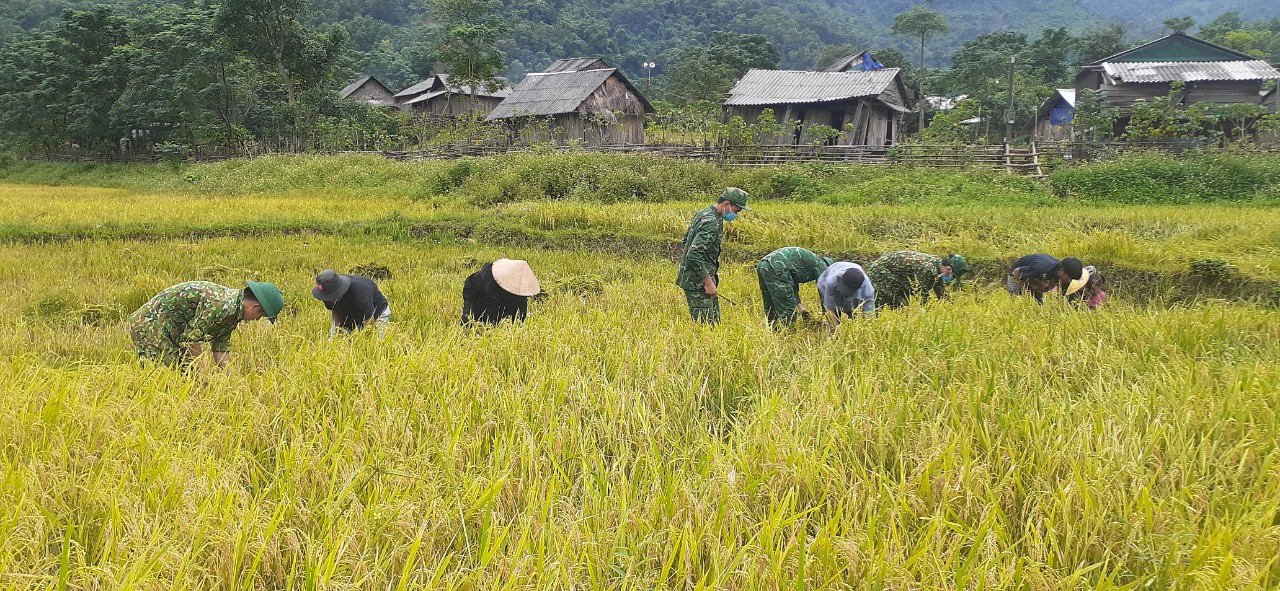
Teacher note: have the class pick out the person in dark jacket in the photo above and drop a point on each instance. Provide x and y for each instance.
(355, 301)
(1039, 273)
(499, 290)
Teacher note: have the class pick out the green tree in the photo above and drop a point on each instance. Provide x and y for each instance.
(1217, 29)
(1050, 56)
(465, 40)
(267, 29)
(828, 55)
(743, 52)
(1099, 43)
(919, 22)
(707, 73)
(1179, 24)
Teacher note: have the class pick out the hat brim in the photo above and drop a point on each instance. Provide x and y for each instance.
(516, 277)
(1078, 284)
(269, 297)
(333, 295)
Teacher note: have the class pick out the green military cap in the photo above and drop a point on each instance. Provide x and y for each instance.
(268, 296)
(736, 196)
(958, 265)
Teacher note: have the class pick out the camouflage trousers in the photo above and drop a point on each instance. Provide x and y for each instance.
(702, 307)
(151, 344)
(780, 297)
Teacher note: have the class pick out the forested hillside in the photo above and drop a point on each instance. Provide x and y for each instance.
(246, 76)
(630, 32)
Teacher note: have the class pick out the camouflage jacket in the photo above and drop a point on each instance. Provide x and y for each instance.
(701, 257)
(899, 275)
(192, 312)
(796, 264)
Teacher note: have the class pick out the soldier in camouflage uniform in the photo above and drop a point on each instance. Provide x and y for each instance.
(172, 326)
(900, 275)
(700, 265)
(781, 272)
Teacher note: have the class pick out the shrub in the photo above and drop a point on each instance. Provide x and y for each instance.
(1155, 178)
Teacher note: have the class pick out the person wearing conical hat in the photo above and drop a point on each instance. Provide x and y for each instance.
(1038, 274)
(1089, 289)
(354, 301)
(173, 326)
(498, 291)
(699, 274)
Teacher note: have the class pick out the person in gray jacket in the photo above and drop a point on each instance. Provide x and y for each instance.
(845, 290)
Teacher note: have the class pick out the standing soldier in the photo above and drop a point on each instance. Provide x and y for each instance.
(899, 275)
(781, 272)
(700, 264)
(173, 326)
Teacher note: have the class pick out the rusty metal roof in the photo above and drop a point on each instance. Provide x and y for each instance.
(781, 87)
(543, 93)
(1140, 72)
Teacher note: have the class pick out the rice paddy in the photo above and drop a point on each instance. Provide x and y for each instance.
(981, 442)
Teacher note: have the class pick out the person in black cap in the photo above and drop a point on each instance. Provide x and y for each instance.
(355, 301)
(845, 290)
(1040, 273)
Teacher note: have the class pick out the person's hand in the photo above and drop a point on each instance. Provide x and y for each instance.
(709, 287)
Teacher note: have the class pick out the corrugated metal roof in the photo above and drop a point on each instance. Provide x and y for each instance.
(781, 87)
(541, 94)
(1139, 72)
(440, 81)
(1069, 95)
(844, 63)
(418, 88)
(1176, 47)
(576, 64)
(464, 93)
(426, 97)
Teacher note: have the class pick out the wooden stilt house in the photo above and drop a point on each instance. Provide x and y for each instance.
(368, 90)
(578, 99)
(865, 107)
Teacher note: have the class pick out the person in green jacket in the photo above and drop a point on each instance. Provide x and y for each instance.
(780, 273)
(173, 326)
(700, 263)
(899, 276)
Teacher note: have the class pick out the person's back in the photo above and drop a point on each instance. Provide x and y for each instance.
(362, 302)
(190, 311)
(499, 290)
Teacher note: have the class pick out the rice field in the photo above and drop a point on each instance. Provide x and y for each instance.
(980, 442)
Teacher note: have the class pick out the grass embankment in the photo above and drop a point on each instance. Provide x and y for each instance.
(639, 206)
(610, 443)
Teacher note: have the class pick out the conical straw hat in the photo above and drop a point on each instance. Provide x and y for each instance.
(1078, 284)
(515, 277)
